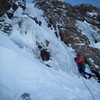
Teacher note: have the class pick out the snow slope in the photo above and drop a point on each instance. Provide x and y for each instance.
(22, 70)
(19, 74)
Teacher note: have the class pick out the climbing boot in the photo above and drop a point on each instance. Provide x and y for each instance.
(85, 77)
(90, 76)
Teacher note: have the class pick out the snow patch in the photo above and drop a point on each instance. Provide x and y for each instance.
(90, 31)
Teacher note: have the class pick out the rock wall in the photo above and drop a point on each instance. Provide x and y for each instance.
(62, 18)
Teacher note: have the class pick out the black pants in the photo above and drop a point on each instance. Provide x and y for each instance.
(81, 68)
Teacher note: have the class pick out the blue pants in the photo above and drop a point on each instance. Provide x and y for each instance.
(85, 73)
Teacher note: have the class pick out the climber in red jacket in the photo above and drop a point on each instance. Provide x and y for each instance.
(81, 65)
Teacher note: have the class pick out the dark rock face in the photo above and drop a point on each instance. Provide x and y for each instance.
(5, 5)
(62, 17)
(25, 96)
(45, 55)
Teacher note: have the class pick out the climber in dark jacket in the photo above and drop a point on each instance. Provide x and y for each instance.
(81, 65)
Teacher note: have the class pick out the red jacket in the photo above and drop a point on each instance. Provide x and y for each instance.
(79, 59)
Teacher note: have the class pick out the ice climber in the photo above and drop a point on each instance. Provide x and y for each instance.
(81, 66)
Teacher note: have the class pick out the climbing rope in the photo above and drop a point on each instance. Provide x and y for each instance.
(88, 88)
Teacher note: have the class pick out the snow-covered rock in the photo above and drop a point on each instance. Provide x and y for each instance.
(36, 63)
